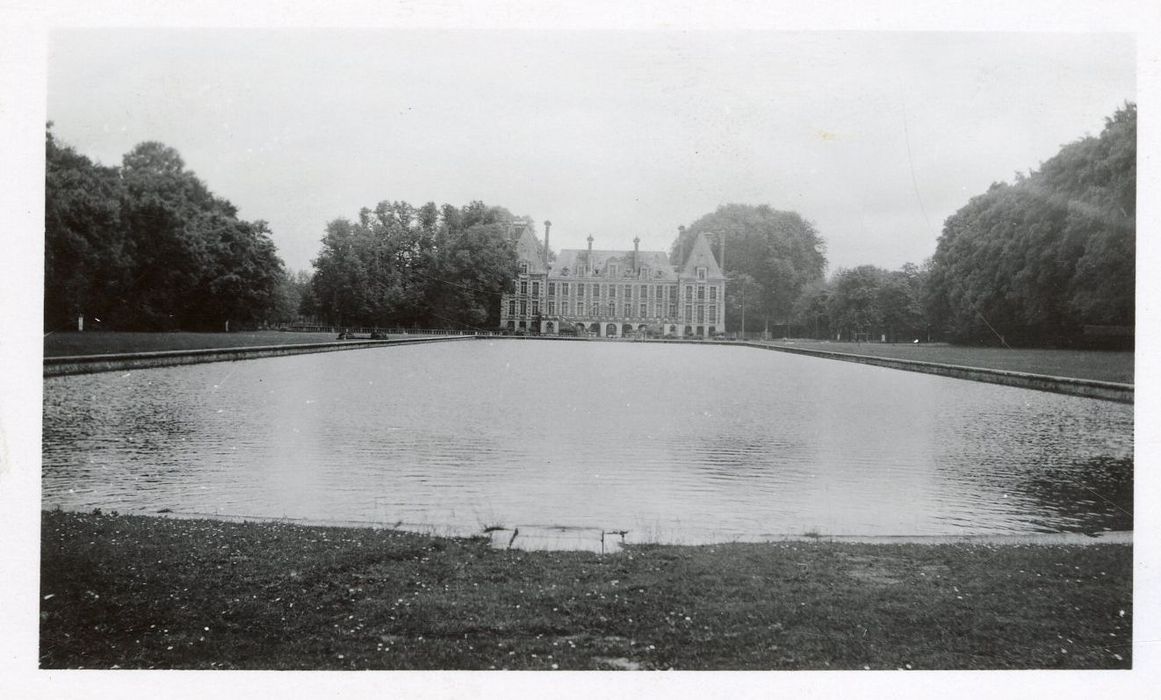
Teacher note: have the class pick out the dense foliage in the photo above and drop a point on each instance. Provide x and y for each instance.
(865, 302)
(1034, 261)
(148, 247)
(399, 265)
(771, 256)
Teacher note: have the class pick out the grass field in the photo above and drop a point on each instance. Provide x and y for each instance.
(1105, 365)
(107, 342)
(141, 592)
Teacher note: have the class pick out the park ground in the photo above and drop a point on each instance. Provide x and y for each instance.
(1112, 366)
(151, 592)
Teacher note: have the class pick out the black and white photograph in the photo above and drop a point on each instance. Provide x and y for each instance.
(587, 343)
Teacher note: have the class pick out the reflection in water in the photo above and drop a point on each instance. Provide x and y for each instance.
(672, 442)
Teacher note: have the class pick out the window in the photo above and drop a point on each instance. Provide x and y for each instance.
(644, 311)
(672, 310)
(511, 307)
(523, 287)
(628, 309)
(713, 293)
(701, 293)
(580, 291)
(596, 290)
(612, 269)
(535, 289)
(523, 308)
(701, 314)
(689, 292)
(580, 308)
(523, 268)
(552, 289)
(551, 307)
(535, 307)
(713, 314)
(612, 308)
(689, 314)
(563, 289)
(563, 308)
(701, 273)
(628, 291)
(613, 292)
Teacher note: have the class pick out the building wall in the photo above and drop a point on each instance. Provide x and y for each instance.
(687, 306)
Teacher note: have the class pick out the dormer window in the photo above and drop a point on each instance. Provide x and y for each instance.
(612, 269)
(701, 274)
(523, 268)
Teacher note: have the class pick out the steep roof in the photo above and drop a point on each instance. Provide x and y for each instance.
(527, 250)
(573, 259)
(701, 256)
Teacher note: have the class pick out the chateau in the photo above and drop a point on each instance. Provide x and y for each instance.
(613, 293)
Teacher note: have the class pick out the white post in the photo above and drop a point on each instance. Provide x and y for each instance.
(81, 322)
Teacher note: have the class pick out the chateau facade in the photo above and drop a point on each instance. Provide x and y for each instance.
(613, 293)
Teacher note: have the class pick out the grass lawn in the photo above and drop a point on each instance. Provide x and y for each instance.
(106, 342)
(141, 592)
(1105, 365)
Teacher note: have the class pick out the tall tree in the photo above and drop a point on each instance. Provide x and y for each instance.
(402, 266)
(778, 250)
(1033, 261)
(148, 246)
(86, 261)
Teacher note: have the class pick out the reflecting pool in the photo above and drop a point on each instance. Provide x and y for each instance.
(672, 442)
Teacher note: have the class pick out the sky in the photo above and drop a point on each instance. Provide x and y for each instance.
(875, 137)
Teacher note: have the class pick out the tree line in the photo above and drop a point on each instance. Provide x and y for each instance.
(147, 246)
(1035, 261)
(1028, 263)
(427, 266)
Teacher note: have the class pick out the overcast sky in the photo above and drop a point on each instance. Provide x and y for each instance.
(875, 137)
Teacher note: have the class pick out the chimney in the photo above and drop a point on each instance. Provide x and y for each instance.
(722, 256)
(636, 264)
(680, 246)
(547, 225)
(589, 257)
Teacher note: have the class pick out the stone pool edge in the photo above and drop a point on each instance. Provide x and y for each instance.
(1089, 388)
(90, 364)
(431, 530)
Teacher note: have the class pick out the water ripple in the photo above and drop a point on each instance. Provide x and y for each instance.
(681, 443)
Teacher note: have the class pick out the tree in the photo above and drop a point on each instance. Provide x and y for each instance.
(86, 261)
(470, 277)
(1033, 261)
(855, 305)
(744, 299)
(147, 246)
(812, 309)
(780, 251)
(431, 266)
